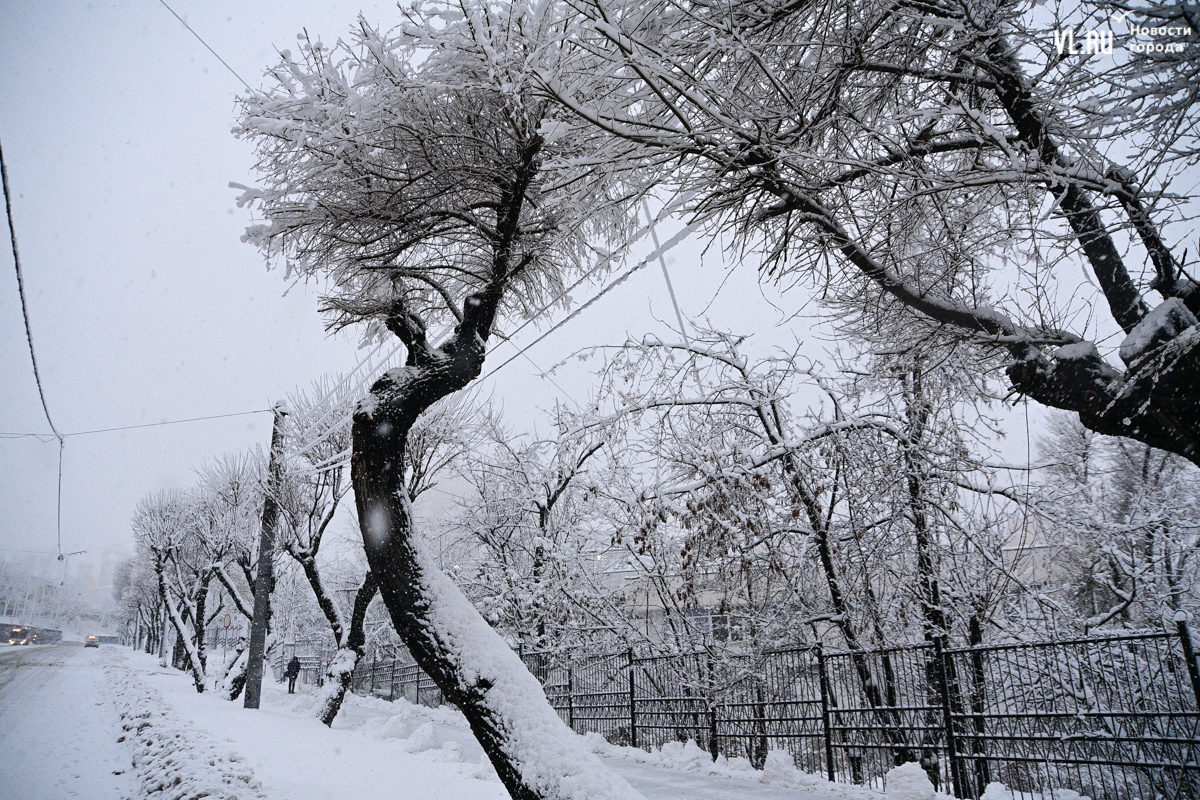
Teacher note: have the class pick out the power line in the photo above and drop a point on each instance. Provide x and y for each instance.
(214, 52)
(672, 242)
(369, 370)
(134, 427)
(37, 375)
(607, 259)
(62, 444)
(12, 235)
(662, 260)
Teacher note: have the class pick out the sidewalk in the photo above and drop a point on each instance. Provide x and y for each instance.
(379, 750)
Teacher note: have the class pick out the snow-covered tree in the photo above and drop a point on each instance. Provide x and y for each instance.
(1131, 517)
(228, 506)
(311, 487)
(937, 169)
(139, 606)
(811, 507)
(162, 526)
(192, 542)
(528, 543)
(781, 507)
(423, 179)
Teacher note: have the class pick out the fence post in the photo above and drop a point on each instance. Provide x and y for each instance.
(570, 696)
(714, 748)
(956, 778)
(632, 703)
(824, 681)
(1189, 653)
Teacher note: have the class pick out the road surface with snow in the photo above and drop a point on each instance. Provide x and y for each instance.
(58, 736)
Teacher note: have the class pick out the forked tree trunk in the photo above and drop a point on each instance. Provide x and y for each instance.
(337, 678)
(536, 756)
(181, 631)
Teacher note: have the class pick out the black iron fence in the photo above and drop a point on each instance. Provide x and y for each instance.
(1113, 717)
(314, 657)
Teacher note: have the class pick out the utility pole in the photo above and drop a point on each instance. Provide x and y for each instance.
(266, 572)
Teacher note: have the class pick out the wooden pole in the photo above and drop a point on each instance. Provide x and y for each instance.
(266, 573)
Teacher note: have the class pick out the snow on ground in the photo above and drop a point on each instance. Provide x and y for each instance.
(686, 771)
(58, 735)
(378, 749)
(74, 720)
(295, 757)
(171, 758)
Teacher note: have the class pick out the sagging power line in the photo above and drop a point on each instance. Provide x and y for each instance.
(37, 376)
(43, 437)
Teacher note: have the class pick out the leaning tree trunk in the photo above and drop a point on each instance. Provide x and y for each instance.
(341, 670)
(194, 663)
(535, 755)
(235, 677)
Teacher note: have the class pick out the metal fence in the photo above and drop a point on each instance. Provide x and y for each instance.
(1112, 718)
(314, 657)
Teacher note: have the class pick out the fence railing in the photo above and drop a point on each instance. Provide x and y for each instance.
(1112, 717)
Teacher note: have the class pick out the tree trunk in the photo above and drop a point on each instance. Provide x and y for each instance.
(235, 678)
(199, 629)
(933, 616)
(337, 679)
(194, 662)
(535, 755)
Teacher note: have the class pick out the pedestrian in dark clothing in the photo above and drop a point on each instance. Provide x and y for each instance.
(292, 671)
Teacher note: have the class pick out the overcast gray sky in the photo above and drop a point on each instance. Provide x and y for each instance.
(144, 304)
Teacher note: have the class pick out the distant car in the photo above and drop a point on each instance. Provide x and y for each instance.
(91, 641)
(19, 635)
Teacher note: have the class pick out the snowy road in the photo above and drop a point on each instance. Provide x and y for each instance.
(57, 734)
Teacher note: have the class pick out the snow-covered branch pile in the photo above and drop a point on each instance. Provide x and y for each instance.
(172, 759)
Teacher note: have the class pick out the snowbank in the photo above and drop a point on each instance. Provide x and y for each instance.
(677, 770)
(908, 782)
(173, 760)
(380, 750)
(998, 791)
(779, 769)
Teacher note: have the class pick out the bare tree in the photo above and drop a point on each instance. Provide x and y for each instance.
(312, 487)
(933, 169)
(160, 527)
(424, 179)
(527, 544)
(1128, 559)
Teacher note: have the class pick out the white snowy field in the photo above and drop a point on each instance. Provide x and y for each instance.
(110, 724)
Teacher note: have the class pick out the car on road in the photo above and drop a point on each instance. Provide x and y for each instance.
(91, 641)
